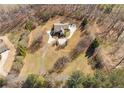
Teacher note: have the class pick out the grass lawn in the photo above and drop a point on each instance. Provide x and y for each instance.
(80, 63)
(32, 64)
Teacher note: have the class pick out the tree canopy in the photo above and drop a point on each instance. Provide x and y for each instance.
(99, 79)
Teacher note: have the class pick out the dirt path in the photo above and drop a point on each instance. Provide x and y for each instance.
(4, 56)
(44, 53)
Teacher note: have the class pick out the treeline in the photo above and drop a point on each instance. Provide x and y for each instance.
(77, 79)
(109, 17)
(100, 79)
(105, 15)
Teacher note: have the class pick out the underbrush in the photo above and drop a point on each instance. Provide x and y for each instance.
(30, 26)
(18, 64)
(36, 81)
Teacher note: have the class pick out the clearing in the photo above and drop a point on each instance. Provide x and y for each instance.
(43, 59)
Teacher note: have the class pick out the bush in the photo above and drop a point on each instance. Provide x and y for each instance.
(21, 50)
(18, 64)
(75, 80)
(35, 81)
(2, 82)
(45, 16)
(23, 40)
(108, 9)
(78, 80)
(83, 23)
(30, 26)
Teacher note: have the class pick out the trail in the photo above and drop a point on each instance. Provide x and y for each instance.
(44, 53)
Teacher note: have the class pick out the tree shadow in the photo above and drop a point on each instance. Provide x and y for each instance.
(90, 51)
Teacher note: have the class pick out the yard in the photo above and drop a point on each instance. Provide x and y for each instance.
(44, 58)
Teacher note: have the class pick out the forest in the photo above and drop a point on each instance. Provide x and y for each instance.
(92, 58)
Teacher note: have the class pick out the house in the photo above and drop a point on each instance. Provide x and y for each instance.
(58, 29)
(58, 36)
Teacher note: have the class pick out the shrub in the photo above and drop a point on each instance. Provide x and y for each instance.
(30, 26)
(60, 64)
(23, 39)
(78, 80)
(21, 50)
(108, 9)
(45, 16)
(83, 23)
(35, 81)
(75, 80)
(18, 64)
(2, 82)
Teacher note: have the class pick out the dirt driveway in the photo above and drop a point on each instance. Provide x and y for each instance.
(7, 57)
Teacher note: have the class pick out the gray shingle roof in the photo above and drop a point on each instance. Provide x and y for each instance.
(58, 26)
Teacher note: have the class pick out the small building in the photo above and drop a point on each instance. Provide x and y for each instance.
(58, 33)
(58, 29)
